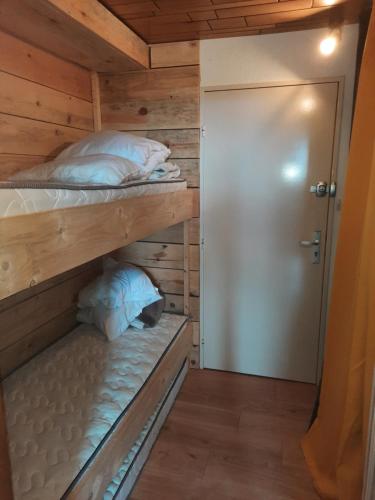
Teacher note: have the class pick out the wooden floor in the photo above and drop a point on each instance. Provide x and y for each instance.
(231, 437)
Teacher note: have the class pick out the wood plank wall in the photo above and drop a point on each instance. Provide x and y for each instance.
(163, 104)
(45, 103)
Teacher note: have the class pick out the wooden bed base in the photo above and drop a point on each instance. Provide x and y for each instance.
(36, 247)
(93, 481)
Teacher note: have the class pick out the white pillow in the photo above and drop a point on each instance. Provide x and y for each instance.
(145, 152)
(94, 169)
(115, 299)
(112, 322)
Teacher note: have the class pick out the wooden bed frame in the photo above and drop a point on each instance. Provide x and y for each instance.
(36, 247)
(95, 478)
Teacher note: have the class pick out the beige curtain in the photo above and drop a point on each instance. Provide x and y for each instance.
(335, 446)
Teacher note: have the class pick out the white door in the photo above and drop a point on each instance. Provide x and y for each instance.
(262, 288)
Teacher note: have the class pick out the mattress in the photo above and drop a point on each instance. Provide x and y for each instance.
(18, 201)
(62, 404)
(123, 482)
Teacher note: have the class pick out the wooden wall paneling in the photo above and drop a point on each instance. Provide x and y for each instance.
(163, 104)
(195, 352)
(30, 314)
(196, 202)
(175, 54)
(26, 294)
(36, 341)
(183, 143)
(164, 255)
(35, 318)
(175, 304)
(166, 98)
(5, 468)
(171, 282)
(45, 104)
(27, 99)
(12, 163)
(190, 171)
(83, 32)
(22, 59)
(174, 234)
(33, 137)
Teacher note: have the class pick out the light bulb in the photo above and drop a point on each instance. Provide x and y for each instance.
(328, 45)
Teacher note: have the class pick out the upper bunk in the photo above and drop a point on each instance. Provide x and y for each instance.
(37, 246)
(83, 32)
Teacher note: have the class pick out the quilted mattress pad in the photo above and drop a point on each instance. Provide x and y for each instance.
(61, 405)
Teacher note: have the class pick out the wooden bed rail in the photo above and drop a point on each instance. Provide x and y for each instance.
(35, 247)
(6, 492)
(92, 483)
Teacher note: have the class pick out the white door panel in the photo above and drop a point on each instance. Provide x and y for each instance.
(262, 292)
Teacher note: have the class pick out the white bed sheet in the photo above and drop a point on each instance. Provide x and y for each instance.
(25, 201)
(61, 404)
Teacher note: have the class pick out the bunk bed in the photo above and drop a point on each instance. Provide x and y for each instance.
(35, 247)
(79, 414)
(73, 412)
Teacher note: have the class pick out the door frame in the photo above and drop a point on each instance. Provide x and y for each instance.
(332, 216)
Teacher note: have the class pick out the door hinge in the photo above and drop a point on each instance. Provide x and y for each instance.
(203, 131)
(202, 242)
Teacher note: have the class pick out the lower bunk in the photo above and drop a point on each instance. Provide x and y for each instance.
(82, 416)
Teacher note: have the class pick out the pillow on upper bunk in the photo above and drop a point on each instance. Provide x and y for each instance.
(94, 169)
(144, 152)
(114, 300)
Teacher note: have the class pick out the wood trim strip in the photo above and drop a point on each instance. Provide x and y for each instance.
(96, 109)
(35, 247)
(95, 478)
(6, 492)
(186, 268)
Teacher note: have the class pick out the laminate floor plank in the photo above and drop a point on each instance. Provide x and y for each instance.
(231, 437)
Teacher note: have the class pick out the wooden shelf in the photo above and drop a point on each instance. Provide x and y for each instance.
(36, 247)
(83, 31)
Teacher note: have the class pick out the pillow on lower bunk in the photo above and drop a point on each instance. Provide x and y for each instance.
(114, 300)
(101, 169)
(145, 152)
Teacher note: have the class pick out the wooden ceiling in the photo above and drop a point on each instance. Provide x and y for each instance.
(158, 21)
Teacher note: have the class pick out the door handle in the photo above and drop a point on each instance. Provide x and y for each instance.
(315, 244)
(309, 243)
